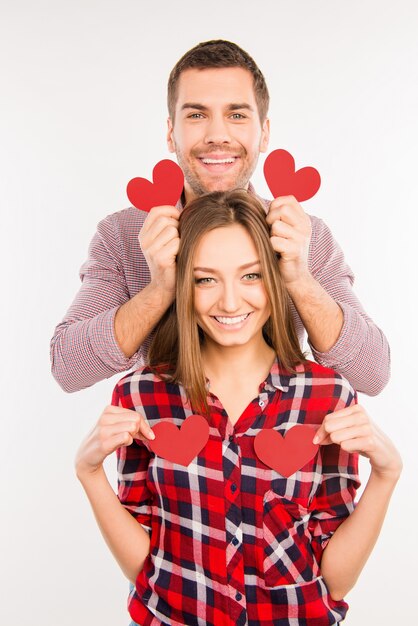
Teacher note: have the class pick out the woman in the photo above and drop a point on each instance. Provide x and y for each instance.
(224, 537)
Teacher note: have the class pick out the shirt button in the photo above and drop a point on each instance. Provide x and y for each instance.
(261, 403)
(231, 438)
(233, 487)
(238, 596)
(235, 541)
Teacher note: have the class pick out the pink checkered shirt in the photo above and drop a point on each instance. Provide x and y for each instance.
(84, 349)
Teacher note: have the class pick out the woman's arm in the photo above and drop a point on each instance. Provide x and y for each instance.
(126, 538)
(351, 544)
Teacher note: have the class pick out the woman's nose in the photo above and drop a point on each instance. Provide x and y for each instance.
(230, 299)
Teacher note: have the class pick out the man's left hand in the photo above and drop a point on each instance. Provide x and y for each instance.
(290, 236)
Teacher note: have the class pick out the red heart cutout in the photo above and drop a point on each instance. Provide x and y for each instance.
(166, 188)
(285, 454)
(283, 180)
(180, 445)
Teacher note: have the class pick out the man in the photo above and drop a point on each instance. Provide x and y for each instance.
(217, 127)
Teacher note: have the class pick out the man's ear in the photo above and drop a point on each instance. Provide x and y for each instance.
(265, 135)
(170, 139)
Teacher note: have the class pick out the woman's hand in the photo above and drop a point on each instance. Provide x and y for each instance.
(116, 427)
(354, 431)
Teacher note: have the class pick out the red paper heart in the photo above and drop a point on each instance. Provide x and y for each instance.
(180, 445)
(166, 188)
(285, 454)
(283, 180)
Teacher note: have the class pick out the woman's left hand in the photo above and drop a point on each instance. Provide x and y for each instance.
(354, 431)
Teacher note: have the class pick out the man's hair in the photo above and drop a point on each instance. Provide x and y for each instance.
(218, 53)
(178, 338)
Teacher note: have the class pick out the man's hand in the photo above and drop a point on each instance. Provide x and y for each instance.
(116, 427)
(159, 241)
(290, 236)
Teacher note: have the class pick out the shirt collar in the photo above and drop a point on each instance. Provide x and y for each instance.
(278, 378)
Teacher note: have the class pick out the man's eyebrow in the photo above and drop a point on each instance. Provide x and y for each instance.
(211, 269)
(240, 105)
(193, 105)
(234, 106)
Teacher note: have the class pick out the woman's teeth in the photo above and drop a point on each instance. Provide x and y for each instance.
(231, 320)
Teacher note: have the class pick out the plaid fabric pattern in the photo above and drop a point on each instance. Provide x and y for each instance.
(233, 542)
(84, 349)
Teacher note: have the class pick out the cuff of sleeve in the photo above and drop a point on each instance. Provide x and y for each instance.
(104, 342)
(345, 349)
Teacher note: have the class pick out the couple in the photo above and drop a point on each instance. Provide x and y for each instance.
(227, 539)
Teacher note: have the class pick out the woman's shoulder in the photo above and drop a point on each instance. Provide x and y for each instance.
(146, 377)
(323, 380)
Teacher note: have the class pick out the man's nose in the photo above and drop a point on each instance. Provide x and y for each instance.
(217, 130)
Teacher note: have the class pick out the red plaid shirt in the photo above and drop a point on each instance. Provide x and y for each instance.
(232, 541)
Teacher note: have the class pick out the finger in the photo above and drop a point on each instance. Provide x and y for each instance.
(161, 225)
(110, 430)
(286, 247)
(156, 213)
(130, 416)
(321, 437)
(117, 441)
(280, 229)
(349, 410)
(353, 432)
(165, 236)
(362, 445)
(287, 211)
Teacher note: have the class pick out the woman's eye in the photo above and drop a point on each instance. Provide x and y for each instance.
(203, 281)
(252, 276)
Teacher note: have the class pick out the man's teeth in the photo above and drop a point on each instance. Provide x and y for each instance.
(215, 161)
(231, 320)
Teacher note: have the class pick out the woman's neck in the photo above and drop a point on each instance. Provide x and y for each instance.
(247, 362)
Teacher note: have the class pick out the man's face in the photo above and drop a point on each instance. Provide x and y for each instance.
(217, 134)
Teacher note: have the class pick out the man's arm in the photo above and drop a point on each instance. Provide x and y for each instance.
(342, 336)
(105, 327)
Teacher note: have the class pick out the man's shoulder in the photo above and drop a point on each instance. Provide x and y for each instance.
(126, 220)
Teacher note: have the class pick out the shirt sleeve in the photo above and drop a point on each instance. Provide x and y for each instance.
(333, 501)
(84, 349)
(361, 353)
(133, 462)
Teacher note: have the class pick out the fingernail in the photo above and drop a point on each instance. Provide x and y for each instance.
(316, 439)
(151, 434)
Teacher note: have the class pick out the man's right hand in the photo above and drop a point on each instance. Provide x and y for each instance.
(159, 240)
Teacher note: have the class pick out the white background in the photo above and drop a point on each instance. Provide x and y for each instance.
(82, 111)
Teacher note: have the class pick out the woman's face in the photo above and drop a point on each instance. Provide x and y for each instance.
(231, 303)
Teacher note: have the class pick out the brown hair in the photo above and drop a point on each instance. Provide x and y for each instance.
(178, 338)
(218, 53)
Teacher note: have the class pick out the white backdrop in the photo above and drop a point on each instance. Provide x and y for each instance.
(82, 111)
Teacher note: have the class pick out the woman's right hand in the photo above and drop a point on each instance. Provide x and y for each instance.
(116, 427)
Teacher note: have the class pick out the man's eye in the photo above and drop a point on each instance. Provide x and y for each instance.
(238, 116)
(195, 116)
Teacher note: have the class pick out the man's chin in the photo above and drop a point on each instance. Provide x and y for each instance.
(221, 185)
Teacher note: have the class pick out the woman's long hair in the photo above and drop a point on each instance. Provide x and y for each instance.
(177, 341)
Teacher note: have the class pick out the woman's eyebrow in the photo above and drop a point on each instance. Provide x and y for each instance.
(241, 267)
